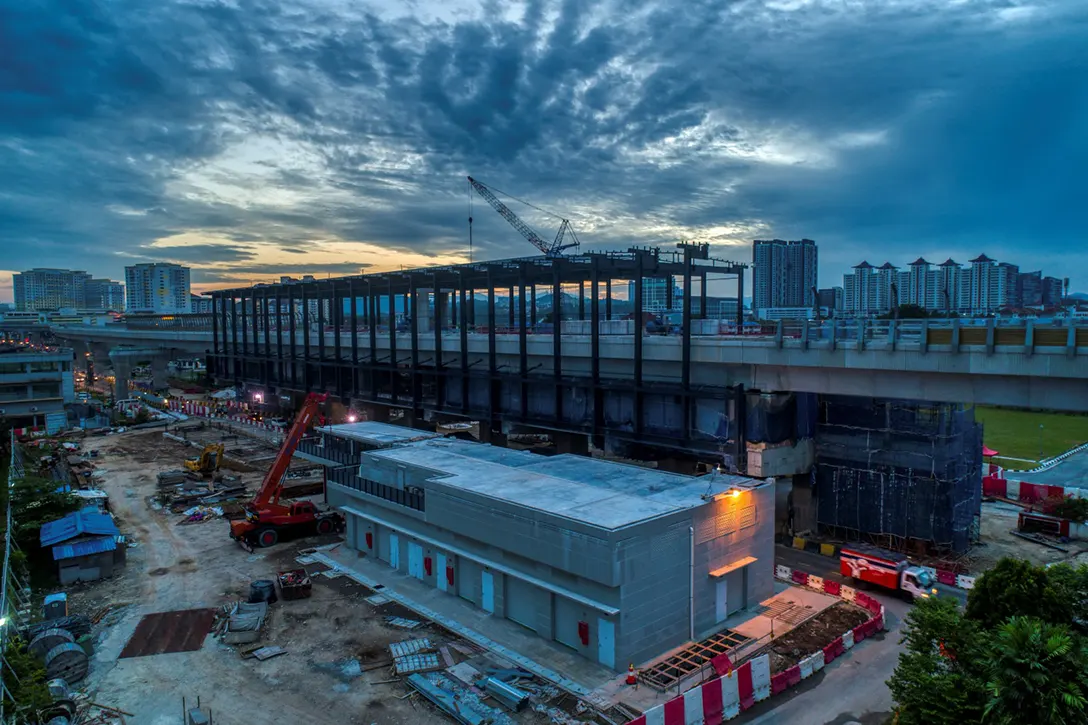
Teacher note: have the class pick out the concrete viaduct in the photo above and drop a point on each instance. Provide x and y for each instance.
(468, 341)
(943, 361)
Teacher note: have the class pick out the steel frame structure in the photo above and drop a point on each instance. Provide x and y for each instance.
(401, 378)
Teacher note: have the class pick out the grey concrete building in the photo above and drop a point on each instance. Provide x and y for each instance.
(617, 562)
(35, 385)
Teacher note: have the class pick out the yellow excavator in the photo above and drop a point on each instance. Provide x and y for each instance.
(209, 460)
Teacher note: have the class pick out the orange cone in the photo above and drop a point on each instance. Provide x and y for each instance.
(631, 675)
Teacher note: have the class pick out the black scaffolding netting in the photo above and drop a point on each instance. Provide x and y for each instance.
(905, 474)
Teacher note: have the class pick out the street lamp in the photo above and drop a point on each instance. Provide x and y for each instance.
(1040, 441)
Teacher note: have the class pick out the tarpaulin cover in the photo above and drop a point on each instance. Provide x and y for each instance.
(807, 408)
(771, 417)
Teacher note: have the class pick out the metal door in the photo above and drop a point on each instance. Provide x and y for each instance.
(467, 579)
(487, 592)
(415, 560)
(721, 600)
(443, 582)
(565, 618)
(606, 643)
(522, 602)
(394, 551)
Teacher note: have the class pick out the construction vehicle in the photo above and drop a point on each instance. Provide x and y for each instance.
(267, 520)
(209, 460)
(870, 565)
(551, 249)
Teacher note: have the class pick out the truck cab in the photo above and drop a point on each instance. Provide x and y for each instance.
(917, 582)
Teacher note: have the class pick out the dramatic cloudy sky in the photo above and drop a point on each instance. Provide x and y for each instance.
(256, 137)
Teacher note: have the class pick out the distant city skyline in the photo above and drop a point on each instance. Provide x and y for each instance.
(207, 134)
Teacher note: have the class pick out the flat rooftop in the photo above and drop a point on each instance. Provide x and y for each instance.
(379, 435)
(599, 493)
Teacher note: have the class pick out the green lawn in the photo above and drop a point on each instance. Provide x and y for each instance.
(1016, 433)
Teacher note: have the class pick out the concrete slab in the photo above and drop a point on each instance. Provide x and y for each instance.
(1071, 473)
(507, 639)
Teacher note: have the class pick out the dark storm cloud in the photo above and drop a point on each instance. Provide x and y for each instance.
(888, 129)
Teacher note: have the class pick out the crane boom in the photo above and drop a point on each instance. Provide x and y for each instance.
(550, 250)
(273, 480)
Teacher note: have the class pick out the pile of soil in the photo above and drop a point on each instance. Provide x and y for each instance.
(816, 633)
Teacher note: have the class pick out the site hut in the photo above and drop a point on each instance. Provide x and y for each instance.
(86, 545)
(617, 562)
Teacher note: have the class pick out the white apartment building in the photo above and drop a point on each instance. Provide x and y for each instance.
(157, 288)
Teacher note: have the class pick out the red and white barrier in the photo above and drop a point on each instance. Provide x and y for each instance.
(996, 484)
(717, 700)
(726, 697)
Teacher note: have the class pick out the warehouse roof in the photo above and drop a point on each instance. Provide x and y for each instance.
(596, 492)
(377, 434)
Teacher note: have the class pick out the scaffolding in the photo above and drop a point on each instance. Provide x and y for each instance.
(906, 475)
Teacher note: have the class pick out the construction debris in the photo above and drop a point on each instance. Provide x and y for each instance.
(378, 599)
(403, 623)
(460, 703)
(510, 696)
(267, 653)
(416, 663)
(244, 622)
(295, 584)
(410, 647)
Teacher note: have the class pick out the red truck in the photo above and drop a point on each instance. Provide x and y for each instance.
(886, 569)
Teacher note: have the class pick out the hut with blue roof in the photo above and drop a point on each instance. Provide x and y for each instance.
(86, 545)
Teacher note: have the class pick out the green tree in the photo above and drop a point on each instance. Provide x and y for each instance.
(1038, 673)
(36, 501)
(1016, 588)
(938, 679)
(27, 687)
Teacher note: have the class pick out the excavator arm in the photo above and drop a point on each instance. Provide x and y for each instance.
(272, 485)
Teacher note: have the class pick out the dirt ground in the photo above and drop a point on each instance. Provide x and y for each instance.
(173, 567)
(816, 633)
(998, 519)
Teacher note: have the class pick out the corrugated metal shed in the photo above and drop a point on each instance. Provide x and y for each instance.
(83, 548)
(77, 524)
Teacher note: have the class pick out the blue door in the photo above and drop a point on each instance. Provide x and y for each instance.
(394, 551)
(443, 582)
(415, 560)
(606, 643)
(487, 592)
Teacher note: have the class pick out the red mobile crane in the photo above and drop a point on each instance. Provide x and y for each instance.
(266, 518)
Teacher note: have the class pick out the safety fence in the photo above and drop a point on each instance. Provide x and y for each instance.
(735, 691)
(997, 485)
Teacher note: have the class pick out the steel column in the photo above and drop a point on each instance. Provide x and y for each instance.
(523, 344)
(464, 323)
(557, 338)
(640, 328)
(307, 379)
(685, 353)
(294, 348)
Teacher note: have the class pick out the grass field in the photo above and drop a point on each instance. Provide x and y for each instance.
(1016, 433)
